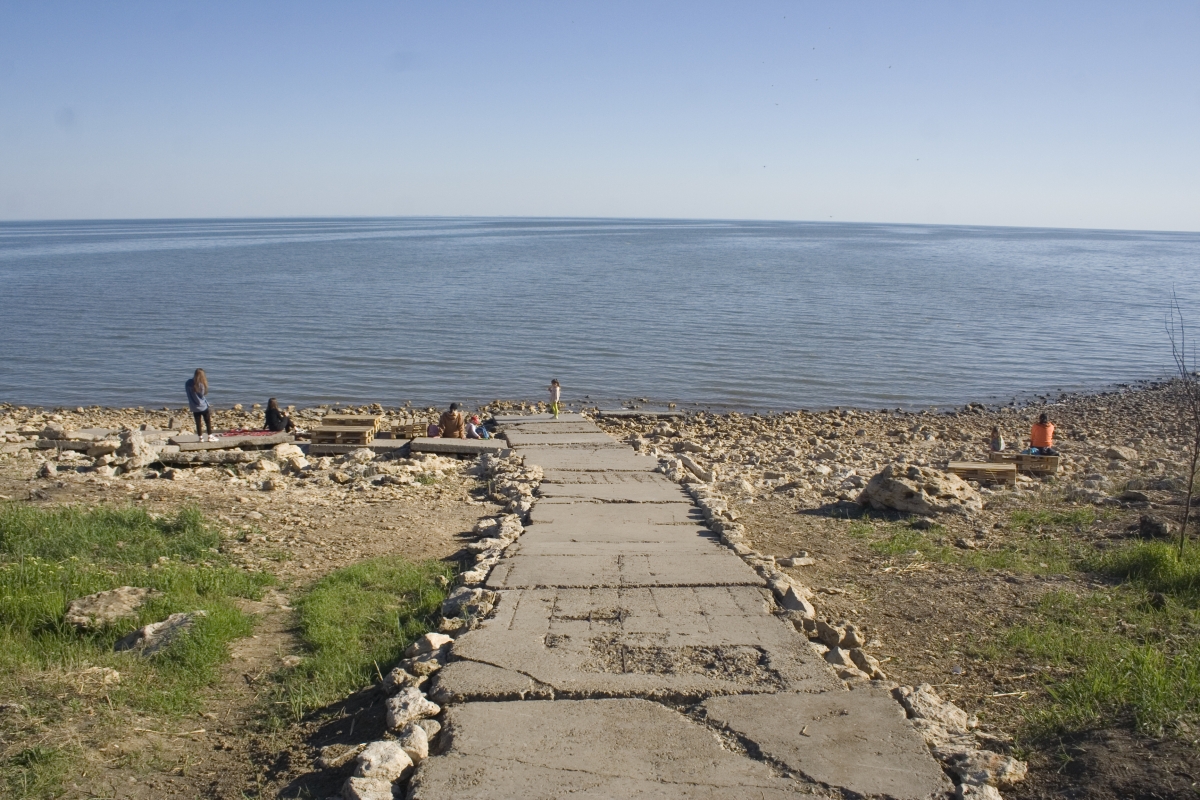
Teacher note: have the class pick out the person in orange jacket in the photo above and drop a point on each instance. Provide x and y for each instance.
(1041, 437)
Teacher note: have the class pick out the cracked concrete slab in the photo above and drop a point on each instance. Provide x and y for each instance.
(859, 741)
(623, 569)
(649, 492)
(681, 540)
(555, 427)
(682, 642)
(520, 438)
(546, 750)
(588, 459)
(588, 517)
(568, 476)
(505, 420)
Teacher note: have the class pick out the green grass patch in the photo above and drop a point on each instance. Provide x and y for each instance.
(356, 623)
(1027, 554)
(49, 557)
(1076, 518)
(1126, 661)
(1154, 567)
(34, 772)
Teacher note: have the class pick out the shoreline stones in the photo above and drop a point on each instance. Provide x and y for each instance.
(923, 491)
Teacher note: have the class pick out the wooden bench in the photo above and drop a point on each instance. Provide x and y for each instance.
(352, 421)
(1029, 464)
(984, 472)
(344, 434)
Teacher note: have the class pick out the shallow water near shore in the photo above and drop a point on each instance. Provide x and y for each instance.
(721, 314)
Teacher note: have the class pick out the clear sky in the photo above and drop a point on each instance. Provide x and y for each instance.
(1079, 114)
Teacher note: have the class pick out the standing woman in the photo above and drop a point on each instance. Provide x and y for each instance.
(197, 393)
(555, 394)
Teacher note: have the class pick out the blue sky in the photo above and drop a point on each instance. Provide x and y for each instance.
(1045, 114)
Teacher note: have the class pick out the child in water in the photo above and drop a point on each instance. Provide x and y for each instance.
(555, 393)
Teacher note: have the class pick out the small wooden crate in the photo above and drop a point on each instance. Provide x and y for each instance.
(344, 434)
(352, 421)
(1027, 463)
(984, 472)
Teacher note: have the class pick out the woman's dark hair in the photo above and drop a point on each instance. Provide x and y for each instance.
(1043, 419)
(273, 403)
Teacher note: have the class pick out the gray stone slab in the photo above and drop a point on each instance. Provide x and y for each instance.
(628, 569)
(588, 459)
(617, 534)
(555, 427)
(518, 438)
(631, 413)
(616, 492)
(570, 476)
(674, 545)
(459, 446)
(859, 741)
(518, 419)
(548, 750)
(189, 442)
(590, 516)
(460, 681)
(683, 643)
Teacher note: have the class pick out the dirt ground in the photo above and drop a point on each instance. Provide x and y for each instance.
(300, 532)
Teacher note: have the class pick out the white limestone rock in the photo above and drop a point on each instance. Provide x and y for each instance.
(415, 741)
(104, 608)
(384, 759)
(357, 788)
(920, 490)
(407, 705)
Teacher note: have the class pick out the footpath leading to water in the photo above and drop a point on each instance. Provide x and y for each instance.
(633, 654)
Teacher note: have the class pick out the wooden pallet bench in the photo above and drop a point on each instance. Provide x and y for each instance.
(984, 471)
(1029, 464)
(409, 430)
(344, 434)
(352, 421)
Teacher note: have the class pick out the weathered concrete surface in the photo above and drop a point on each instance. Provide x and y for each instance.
(519, 438)
(615, 590)
(425, 444)
(649, 492)
(538, 750)
(508, 420)
(572, 477)
(856, 740)
(598, 516)
(554, 427)
(679, 642)
(588, 459)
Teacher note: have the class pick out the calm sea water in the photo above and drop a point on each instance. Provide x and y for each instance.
(729, 314)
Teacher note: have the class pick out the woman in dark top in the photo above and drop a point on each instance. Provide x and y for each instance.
(276, 419)
(197, 395)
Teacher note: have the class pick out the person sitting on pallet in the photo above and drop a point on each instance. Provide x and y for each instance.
(1041, 437)
(451, 424)
(277, 420)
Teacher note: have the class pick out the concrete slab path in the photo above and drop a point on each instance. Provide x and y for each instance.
(633, 654)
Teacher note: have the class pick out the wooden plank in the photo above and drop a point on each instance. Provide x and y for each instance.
(371, 421)
(1027, 462)
(984, 472)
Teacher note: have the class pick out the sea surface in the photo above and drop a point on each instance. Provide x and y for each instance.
(751, 315)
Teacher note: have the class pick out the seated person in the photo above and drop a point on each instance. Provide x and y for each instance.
(997, 440)
(451, 424)
(475, 429)
(276, 419)
(433, 431)
(1041, 437)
